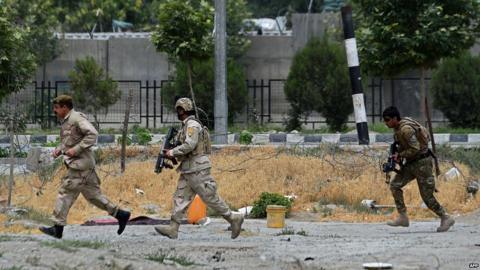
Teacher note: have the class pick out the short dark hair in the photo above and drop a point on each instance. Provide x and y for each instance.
(64, 100)
(391, 112)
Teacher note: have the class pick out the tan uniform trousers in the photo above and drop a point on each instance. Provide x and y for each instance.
(74, 183)
(201, 183)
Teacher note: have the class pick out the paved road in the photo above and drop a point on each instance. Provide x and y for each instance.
(325, 246)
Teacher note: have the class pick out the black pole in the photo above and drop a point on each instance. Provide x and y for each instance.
(355, 77)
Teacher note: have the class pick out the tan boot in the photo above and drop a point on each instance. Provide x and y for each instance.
(235, 221)
(170, 231)
(446, 222)
(402, 220)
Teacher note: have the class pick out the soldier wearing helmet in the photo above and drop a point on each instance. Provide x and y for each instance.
(195, 177)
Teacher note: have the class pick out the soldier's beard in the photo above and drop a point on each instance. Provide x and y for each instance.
(179, 116)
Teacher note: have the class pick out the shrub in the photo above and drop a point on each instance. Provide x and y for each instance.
(318, 81)
(456, 90)
(128, 138)
(245, 137)
(203, 79)
(93, 90)
(143, 135)
(259, 209)
(5, 153)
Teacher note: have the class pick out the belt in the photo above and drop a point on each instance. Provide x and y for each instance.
(421, 156)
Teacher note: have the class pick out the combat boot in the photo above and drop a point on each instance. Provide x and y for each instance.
(235, 221)
(402, 220)
(55, 231)
(122, 217)
(170, 231)
(446, 222)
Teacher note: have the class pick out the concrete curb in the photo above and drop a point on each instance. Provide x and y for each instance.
(275, 138)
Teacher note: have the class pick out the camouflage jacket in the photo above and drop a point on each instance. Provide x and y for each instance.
(190, 151)
(409, 146)
(78, 133)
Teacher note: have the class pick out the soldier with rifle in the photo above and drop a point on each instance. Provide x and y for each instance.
(191, 150)
(415, 159)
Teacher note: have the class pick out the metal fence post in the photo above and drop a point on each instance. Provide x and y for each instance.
(154, 103)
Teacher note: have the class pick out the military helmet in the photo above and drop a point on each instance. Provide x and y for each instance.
(184, 103)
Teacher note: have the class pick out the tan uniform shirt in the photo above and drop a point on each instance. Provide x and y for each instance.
(191, 152)
(78, 133)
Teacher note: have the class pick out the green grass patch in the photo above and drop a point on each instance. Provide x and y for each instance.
(72, 245)
(447, 129)
(290, 231)
(5, 238)
(161, 257)
(379, 127)
(467, 156)
(35, 215)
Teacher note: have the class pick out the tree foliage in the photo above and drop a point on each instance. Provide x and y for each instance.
(184, 29)
(237, 42)
(39, 17)
(93, 90)
(81, 16)
(318, 81)
(204, 79)
(398, 35)
(17, 62)
(456, 90)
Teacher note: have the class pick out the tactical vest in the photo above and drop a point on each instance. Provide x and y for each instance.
(204, 144)
(423, 137)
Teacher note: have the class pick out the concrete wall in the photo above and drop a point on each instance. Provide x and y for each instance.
(124, 59)
(269, 57)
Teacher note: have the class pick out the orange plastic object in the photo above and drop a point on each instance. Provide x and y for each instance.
(197, 210)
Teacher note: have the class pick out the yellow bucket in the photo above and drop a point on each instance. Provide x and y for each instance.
(276, 216)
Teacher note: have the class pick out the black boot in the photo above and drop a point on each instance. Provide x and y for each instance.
(123, 217)
(55, 231)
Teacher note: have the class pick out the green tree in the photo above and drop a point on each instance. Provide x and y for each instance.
(184, 33)
(17, 62)
(93, 90)
(397, 35)
(456, 90)
(238, 43)
(204, 87)
(274, 8)
(40, 18)
(81, 16)
(318, 81)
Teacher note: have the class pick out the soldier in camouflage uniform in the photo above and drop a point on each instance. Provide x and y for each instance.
(416, 162)
(77, 138)
(194, 171)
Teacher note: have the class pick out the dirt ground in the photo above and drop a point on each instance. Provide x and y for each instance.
(303, 244)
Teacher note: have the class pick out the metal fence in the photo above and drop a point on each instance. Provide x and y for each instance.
(267, 102)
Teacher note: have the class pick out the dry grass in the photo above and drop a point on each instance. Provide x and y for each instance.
(243, 174)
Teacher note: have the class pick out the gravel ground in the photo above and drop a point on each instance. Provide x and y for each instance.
(313, 245)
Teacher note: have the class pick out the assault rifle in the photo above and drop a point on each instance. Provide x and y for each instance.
(168, 143)
(389, 166)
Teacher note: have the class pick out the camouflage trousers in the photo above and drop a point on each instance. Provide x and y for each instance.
(422, 171)
(88, 184)
(201, 183)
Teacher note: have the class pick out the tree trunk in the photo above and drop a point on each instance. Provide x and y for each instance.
(125, 130)
(189, 71)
